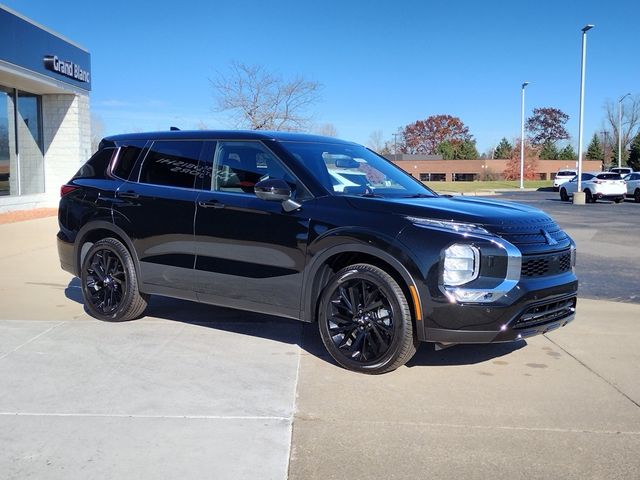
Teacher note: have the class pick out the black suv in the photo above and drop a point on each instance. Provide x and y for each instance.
(314, 229)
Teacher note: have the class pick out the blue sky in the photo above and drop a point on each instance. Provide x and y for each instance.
(382, 64)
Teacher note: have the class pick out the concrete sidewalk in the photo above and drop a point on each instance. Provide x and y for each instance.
(194, 391)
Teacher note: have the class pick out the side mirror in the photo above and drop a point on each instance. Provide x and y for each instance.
(273, 190)
(276, 190)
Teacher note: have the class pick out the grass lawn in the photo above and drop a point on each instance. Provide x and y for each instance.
(463, 187)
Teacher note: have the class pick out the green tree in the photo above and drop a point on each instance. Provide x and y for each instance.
(548, 151)
(634, 153)
(468, 150)
(503, 150)
(567, 153)
(465, 150)
(595, 152)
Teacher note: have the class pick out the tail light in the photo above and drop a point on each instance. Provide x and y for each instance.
(66, 189)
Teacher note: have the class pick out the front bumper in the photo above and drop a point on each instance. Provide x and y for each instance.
(534, 307)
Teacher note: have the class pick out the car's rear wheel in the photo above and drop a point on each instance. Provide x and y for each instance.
(110, 284)
(619, 200)
(365, 320)
(563, 195)
(636, 195)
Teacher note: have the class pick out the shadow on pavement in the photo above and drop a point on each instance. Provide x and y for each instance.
(303, 334)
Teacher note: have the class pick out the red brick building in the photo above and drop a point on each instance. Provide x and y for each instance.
(433, 168)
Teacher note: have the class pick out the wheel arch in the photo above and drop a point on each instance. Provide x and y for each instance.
(97, 230)
(333, 259)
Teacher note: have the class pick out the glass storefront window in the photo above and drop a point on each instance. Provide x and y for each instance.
(21, 164)
(7, 141)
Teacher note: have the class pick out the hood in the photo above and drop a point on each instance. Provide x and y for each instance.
(479, 211)
(529, 228)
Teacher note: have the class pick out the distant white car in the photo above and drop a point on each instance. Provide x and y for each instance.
(596, 186)
(633, 186)
(621, 170)
(563, 176)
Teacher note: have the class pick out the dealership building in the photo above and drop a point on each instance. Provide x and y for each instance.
(45, 128)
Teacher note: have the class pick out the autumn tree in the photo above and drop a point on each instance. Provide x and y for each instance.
(503, 150)
(424, 136)
(594, 151)
(261, 100)
(547, 125)
(512, 170)
(634, 153)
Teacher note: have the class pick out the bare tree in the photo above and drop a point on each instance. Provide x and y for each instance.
(327, 130)
(630, 121)
(261, 100)
(376, 142)
(97, 131)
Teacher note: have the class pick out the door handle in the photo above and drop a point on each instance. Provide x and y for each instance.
(128, 195)
(210, 204)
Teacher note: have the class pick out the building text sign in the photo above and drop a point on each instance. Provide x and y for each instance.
(66, 68)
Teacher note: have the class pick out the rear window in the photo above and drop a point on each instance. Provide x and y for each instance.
(172, 163)
(566, 173)
(96, 166)
(609, 176)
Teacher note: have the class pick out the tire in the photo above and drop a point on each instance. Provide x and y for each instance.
(619, 200)
(110, 284)
(563, 195)
(588, 197)
(374, 337)
(636, 195)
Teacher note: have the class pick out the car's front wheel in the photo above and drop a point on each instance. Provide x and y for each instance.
(110, 284)
(365, 320)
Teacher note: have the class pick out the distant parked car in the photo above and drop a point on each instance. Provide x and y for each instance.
(563, 176)
(596, 186)
(633, 186)
(621, 170)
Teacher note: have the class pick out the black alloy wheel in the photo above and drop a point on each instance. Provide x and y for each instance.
(589, 198)
(563, 195)
(365, 320)
(109, 282)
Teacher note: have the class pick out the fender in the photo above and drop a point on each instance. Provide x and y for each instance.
(103, 225)
(359, 240)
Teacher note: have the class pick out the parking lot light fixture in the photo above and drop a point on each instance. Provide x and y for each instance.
(524, 85)
(578, 196)
(620, 129)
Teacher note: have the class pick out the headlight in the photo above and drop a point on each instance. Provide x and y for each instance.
(461, 264)
(448, 225)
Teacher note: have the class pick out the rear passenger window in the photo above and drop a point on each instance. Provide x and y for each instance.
(172, 163)
(126, 160)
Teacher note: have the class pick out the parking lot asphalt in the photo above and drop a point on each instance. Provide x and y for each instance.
(195, 391)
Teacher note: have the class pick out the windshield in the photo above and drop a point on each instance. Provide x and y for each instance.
(355, 170)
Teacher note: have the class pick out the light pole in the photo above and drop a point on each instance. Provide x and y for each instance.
(524, 85)
(620, 129)
(579, 197)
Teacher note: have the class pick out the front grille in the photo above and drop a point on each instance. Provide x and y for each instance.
(534, 235)
(548, 264)
(546, 313)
